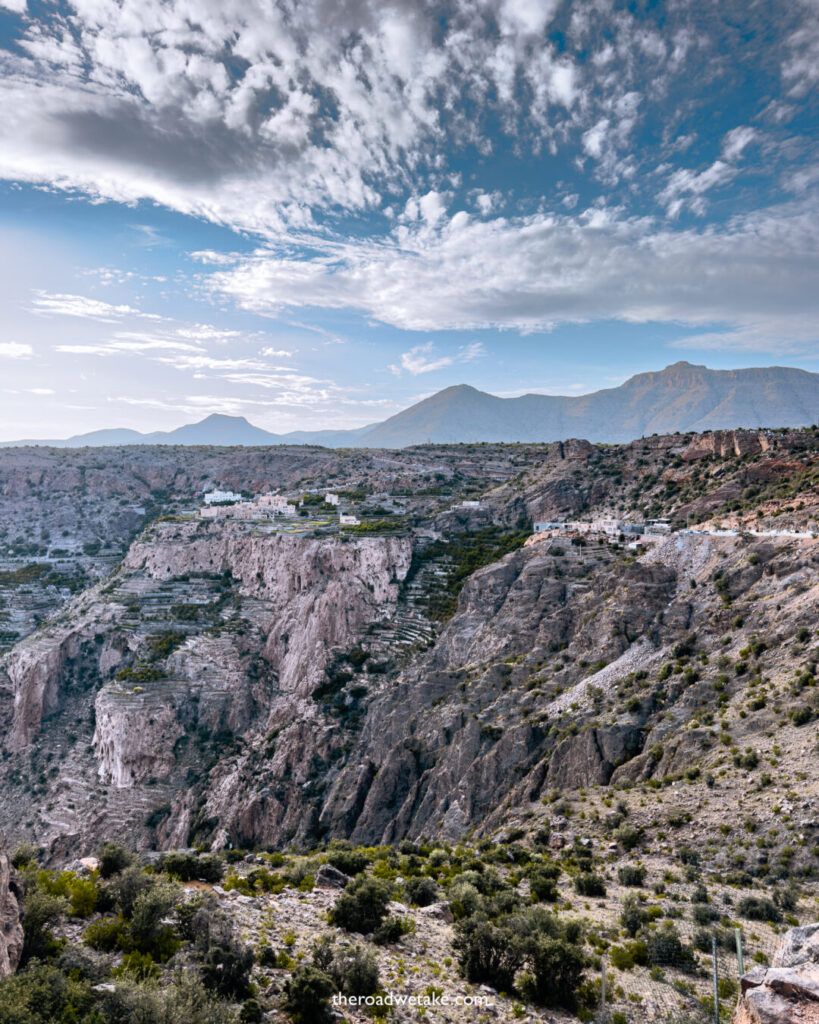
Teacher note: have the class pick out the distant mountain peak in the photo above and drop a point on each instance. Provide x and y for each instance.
(679, 398)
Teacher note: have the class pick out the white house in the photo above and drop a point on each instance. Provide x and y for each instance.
(220, 497)
(346, 520)
(331, 499)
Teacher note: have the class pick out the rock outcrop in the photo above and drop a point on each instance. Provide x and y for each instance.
(11, 920)
(787, 991)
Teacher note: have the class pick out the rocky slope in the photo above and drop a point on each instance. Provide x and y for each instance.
(228, 686)
(206, 640)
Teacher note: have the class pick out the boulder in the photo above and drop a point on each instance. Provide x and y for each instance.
(788, 990)
(328, 877)
(438, 912)
(11, 920)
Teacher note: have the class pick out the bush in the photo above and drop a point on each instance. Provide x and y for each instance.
(631, 875)
(188, 867)
(82, 895)
(108, 935)
(125, 888)
(113, 859)
(630, 955)
(40, 910)
(543, 882)
(307, 996)
(226, 970)
(627, 836)
(25, 855)
(757, 908)
(703, 914)
(665, 949)
(150, 935)
(351, 862)
(354, 970)
(589, 884)
(362, 906)
(488, 954)
(422, 891)
(633, 916)
(43, 994)
(557, 972)
(390, 931)
(464, 899)
(251, 1012)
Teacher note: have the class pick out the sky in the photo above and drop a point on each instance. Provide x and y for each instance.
(316, 213)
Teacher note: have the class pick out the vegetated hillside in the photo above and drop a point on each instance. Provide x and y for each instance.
(627, 737)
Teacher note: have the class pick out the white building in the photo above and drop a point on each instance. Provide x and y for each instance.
(331, 499)
(220, 497)
(275, 503)
(346, 520)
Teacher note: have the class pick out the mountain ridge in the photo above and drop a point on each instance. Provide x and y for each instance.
(681, 397)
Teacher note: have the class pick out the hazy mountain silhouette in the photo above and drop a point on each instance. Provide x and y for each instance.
(681, 397)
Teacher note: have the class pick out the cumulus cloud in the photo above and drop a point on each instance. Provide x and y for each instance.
(263, 116)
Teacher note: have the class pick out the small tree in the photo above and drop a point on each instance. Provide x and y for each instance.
(362, 906)
(307, 996)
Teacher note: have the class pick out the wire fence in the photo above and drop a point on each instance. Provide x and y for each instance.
(697, 982)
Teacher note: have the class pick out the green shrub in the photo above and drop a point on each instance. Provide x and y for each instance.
(307, 996)
(108, 935)
(589, 884)
(422, 891)
(351, 862)
(353, 969)
(43, 994)
(488, 954)
(543, 882)
(627, 836)
(113, 859)
(665, 948)
(703, 913)
(137, 965)
(390, 931)
(556, 972)
(633, 916)
(631, 875)
(362, 906)
(757, 908)
(40, 910)
(226, 970)
(189, 867)
(150, 935)
(82, 896)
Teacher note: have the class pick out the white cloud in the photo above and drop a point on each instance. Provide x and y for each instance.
(418, 360)
(533, 272)
(736, 140)
(83, 307)
(15, 350)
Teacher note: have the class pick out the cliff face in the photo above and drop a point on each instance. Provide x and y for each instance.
(11, 925)
(231, 686)
(207, 639)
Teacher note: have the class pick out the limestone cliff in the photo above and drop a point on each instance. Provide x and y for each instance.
(11, 926)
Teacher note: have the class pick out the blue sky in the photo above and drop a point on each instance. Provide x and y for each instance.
(315, 213)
